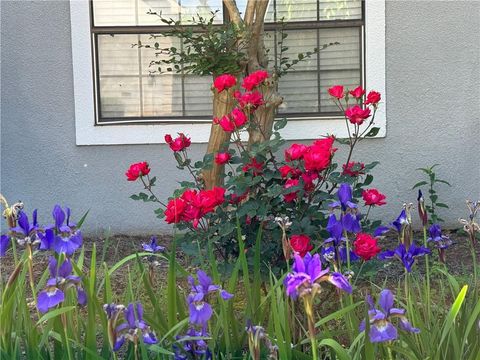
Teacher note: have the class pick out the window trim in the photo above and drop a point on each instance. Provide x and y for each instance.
(302, 128)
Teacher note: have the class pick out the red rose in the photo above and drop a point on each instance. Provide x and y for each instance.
(318, 156)
(358, 92)
(353, 169)
(226, 124)
(365, 246)
(224, 81)
(373, 98)
(222, 158)
(293, 195)
(254, 79)
(239, 117)
(336, 91)
(295, 152)
(373, 197)
(174, 211)
(249, 100)
(136, 170)
(285, 170)
(357, 115)
(308, 179)
(301, 244)
(179, 144)
(255, 166)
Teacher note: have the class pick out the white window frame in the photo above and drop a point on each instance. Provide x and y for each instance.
(87, 133)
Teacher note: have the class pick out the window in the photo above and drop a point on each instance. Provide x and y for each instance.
(145, 104)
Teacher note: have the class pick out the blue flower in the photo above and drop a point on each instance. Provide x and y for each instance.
(200, 310)
(397, 225)
(67, 238)
(381, 326)
(338, 251)
(60, 280)
(152, 246)
(349, 219)
(307, 274)
(407, 257)
(441, 241)
(24, 232)
(133, 326)
(196, 348)
(4, 243)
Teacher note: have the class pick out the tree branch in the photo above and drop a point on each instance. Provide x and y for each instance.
(233, 11)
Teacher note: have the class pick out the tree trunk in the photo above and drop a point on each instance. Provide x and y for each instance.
(223, 103)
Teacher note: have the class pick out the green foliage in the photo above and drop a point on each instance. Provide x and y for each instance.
(432, 183)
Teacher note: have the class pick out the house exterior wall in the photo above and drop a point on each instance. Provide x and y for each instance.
(433, 116)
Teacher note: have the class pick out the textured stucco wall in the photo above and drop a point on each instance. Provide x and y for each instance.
(433, 77)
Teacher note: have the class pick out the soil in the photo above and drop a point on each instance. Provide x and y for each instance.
(111, 250)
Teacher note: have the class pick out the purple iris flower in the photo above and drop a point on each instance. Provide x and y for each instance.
(441, 241)
(307, 274)
(4, 243)
(350, 219)
(335, 228)
(152, 246)
(199, 309)
(381, 327)
(133, 326)
(61, 279)
(396, 225)
(24, 232)
(407, 257)
(67, 238)
(344, 195)
(192, 349)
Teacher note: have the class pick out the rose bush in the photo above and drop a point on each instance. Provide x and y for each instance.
(270, 179)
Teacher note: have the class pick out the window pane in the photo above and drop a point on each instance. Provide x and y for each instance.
(294, 10)
(340, 10)
(135, 12)
(120, 97)
(339, 64)
(299, 87)
(162, 95)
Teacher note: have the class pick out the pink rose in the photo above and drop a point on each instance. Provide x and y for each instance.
(222, 158)
(357, 115)
(136, 170)
(357, 93)
(373, 98)
(224, 81)
(179, 144)
(225, 123)
(373, 197)
(293, 195)
(336, 91)
(238, 117)
(254, 79)
(295, 152)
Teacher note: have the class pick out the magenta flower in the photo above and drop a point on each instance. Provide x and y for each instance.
(381, 326)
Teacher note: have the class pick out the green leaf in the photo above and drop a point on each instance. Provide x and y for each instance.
(341, 353)
(452, 314)
(54, 313)
(280, 124)
(421, 183)
(442, 205)
(373, 132)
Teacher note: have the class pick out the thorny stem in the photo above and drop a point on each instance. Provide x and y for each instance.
(149, 189)
(188, 166)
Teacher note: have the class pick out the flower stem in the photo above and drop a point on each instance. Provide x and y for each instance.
(308, 304)
(427, 273)
(30, 276)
